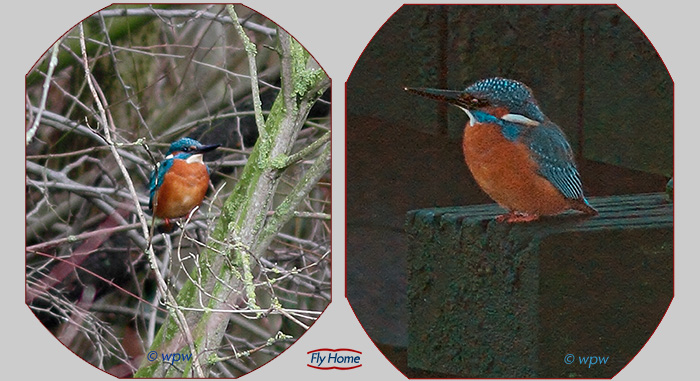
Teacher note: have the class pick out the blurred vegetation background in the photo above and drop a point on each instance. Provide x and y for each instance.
(163, 72)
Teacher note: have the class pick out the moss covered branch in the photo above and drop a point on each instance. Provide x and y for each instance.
(247, 224)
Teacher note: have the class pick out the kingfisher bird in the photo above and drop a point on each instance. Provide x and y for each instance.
(180, 181)
(519, 157)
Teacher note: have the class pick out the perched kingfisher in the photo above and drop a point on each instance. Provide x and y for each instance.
(519, 157)
(180, 181)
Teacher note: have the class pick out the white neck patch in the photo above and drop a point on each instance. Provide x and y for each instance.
(519, 119)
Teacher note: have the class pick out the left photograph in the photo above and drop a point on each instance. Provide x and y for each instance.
(178, 190)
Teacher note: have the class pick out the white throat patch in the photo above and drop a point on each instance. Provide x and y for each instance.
(472, 120)
(196, 158)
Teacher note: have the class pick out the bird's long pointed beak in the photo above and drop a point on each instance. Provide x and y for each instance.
(208, 148)
(454, 97)
(450, 96)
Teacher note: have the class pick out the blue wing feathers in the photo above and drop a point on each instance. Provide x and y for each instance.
(555, 159)
(157, 178)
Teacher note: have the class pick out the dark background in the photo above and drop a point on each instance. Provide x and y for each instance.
(593, 72)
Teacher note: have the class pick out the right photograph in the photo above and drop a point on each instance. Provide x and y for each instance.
(509, 190)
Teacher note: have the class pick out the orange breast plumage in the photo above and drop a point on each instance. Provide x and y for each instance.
(506, 172)
(183, 187)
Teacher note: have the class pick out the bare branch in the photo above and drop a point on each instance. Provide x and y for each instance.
(52, 66)
(189, 14)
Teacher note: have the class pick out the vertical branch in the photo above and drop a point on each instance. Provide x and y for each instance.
(251, 51)
(285, 41)
(247, 228)
(162, 287)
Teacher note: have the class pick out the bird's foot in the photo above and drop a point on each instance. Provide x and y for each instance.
(516, 217)
(166, 227)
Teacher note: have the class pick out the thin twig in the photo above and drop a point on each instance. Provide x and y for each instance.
(79, 237)
(127, 93)
(45, 91)
(287, 207)
(304, 152)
